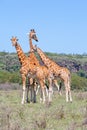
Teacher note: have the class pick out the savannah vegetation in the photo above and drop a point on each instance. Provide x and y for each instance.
(77, 64)
(59, 115)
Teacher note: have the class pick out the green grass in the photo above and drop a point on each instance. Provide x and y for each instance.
(57, 116)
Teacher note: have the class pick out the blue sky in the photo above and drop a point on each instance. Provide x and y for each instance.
(60, 25)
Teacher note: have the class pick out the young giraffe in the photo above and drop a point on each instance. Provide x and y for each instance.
(32, 35)
(24, 61)
(46, 73)
(58, 71)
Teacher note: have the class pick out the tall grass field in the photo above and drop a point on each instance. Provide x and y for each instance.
(59, 115)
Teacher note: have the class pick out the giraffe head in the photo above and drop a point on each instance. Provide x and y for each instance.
(14, 41)
(32, 35)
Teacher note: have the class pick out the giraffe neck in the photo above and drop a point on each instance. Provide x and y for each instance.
(32, 55)
(20, 53)
(31, 45)
(43, 57)
(52, 66)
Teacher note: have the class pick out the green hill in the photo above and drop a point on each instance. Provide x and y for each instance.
(77, 64)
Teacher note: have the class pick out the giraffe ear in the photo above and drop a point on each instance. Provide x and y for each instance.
(34, 31)
(16, 38)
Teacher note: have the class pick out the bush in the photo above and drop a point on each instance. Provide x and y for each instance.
(78, 82)
(82, 73)
(6, 76)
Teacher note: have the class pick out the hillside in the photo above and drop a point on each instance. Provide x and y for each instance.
(77, 64)
(9, 61)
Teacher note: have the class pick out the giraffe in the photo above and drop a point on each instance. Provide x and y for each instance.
(24, 61)
(44, 69)
(58, 71)
(32, 35)
(29, 68)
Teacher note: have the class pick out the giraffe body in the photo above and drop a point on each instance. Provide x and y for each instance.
(41, 73)
(32, 35)
(24, 61)
(61, 72)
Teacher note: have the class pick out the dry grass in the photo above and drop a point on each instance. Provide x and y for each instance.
(58, 116)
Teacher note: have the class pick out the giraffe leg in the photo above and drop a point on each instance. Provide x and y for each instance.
(66, 88)
(50, 94)
(31, 94)
(42, 84)
(37, 89)
(44, 99)
(41, 96)
(67, 99)
(55, 82)
(28, 85)
(27, 98)
(24, 88)
(68, 91)
(35, 85)
(70, 96)
(50, 90)
(58, 87)
(34, 99)
(46, 91)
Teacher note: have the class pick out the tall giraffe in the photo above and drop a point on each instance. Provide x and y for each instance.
(32, 35)
(24, 61)
(46, 72)
(58, 71)
(29, 68)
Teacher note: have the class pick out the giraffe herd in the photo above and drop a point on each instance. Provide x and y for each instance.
(40, 75)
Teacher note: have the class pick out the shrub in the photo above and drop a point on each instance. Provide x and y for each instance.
(6, 76)
(78, 82)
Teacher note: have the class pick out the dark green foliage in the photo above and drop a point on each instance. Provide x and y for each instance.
(78, 82)
(6, 76)
(82, 73)
(77, 64)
